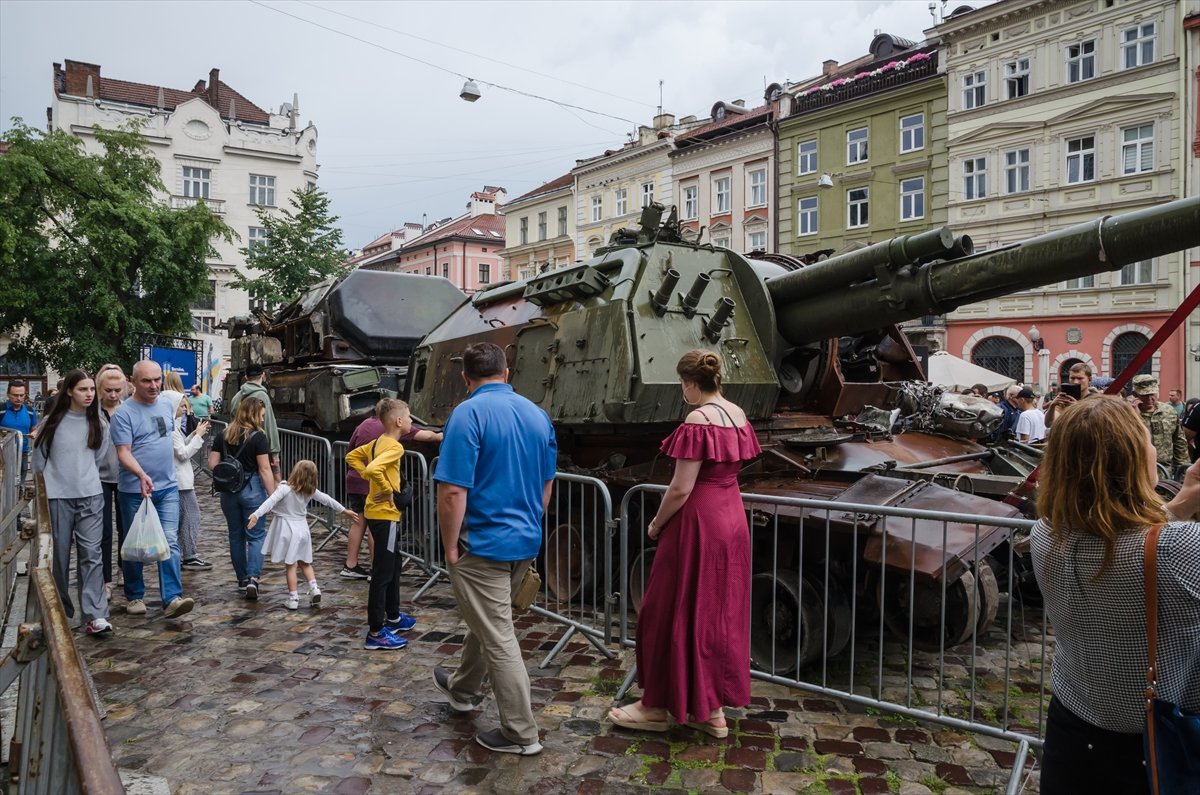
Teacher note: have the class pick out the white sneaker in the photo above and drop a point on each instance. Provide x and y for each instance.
(314, 596)
(98, 626)
(292, 603)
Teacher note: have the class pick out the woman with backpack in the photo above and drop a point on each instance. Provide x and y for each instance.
(70, 448)
(240, 461)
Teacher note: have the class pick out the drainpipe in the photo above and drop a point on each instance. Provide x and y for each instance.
(773, 126)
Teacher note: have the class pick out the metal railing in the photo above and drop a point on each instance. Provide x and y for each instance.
(59, 745)
(880, 635)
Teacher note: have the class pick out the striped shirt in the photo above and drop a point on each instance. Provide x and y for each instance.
(1100, 660)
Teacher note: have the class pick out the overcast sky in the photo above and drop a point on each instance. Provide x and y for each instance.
(396, 142)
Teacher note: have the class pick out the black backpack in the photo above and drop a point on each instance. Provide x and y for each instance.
(229, 476)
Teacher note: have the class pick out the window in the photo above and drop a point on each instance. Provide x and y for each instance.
(721, 195)
(1137, 45)
(562, 221)
(856, 146)
(256, 237)
(204, 324)
(1016, 171)
(1081, 61)
(974, 90)
(758, 241)
(445, 270)
(524, 231)
(1000, 355)
(262, 190)
(722, 241)
(1125, 347)
(912, 132)
(196, 182)
(690, 206)
(806, 157)
(597, 208)
(541, 226)
(622, 201)
(647, 194)
(1082, 283)
(209, 301)
(758, 187)
(856, 207)
(1016, 78)
(974, 178)
(806, 216)
(1081, 159)
(1137, 273)
(428, 270)
(485, 273)
(1137, 149)
(912, 198)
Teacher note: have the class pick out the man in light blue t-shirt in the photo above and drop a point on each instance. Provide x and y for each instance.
(141, 431)
(495, 470)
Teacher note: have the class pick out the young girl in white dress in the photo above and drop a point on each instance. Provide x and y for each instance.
(288, 539)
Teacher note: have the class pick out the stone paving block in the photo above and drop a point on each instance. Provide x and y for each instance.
(739, 780)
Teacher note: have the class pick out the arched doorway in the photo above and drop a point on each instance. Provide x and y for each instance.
(1124, 348)
(1064, 370)
(1000, 355)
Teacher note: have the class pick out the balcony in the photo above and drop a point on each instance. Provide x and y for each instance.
(887, 79)
(217, 206)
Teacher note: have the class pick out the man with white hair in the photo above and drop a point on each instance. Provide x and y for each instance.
(1011, 414)
(141, 431)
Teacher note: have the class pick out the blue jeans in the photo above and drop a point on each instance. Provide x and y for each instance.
(245, 545)
(166, 502)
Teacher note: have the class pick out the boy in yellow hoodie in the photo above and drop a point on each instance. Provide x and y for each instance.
(379, 465)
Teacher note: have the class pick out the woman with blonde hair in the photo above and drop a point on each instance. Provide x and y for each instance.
(1097, 499)
(245, 440)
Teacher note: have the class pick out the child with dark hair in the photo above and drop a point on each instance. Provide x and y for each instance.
(70, 448)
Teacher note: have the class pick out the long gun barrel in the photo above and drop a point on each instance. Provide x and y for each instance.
(873, 287)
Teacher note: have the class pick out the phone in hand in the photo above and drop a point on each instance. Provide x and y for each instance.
(1074, 390)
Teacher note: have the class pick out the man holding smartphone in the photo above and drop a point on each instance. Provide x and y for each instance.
(1078, 386)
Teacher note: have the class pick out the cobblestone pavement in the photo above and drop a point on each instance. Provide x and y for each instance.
(251, 697)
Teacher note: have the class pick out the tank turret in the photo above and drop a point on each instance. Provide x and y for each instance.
(812, 354)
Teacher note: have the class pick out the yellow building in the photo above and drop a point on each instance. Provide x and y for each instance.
(539, 229)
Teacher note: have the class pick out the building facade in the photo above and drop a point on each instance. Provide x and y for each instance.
(1060, 113)
(723, 175)
(465, 250)
(1191, 177)
(214, 146)
(539, 229)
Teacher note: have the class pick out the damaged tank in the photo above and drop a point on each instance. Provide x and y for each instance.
(837, 397)
(331, 354)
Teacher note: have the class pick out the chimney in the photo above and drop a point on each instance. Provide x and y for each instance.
(295, 111)
(214, 82)
(741, 103)
(161, 100)
(664, 120)
(80, 77)
(829, 67)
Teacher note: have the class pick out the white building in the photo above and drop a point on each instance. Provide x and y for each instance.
(214, 145)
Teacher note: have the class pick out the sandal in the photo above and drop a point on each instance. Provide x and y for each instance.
(710, 728)
(627, 718)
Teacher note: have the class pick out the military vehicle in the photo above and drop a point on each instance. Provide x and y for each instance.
(811, 353)
(331, 354)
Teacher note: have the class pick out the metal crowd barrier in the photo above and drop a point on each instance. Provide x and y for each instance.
(868, 646)
(59, 745)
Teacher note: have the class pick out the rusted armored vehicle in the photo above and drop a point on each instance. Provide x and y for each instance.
(331, 354)
(834, 390)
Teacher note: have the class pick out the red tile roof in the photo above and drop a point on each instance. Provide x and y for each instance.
(552, 185)
(489, 228)
(747, 119)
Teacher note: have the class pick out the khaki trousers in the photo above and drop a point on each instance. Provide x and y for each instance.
(484, 589)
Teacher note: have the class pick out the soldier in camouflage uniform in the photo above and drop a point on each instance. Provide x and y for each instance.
(1165, 431)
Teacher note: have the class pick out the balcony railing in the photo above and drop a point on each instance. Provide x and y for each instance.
(865, 86)
(184, 202)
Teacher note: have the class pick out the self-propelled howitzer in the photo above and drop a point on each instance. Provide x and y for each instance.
(811, 353)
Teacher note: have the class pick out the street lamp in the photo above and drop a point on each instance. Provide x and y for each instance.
(470, 91)
(1035, 337)
(1043, 353)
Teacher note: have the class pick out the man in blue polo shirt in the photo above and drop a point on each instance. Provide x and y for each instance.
(495, 469)
(19, 416)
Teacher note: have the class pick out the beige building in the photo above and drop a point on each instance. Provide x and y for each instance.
(722, 176)
(539, 229)
(1059, 113)
(1191, 152)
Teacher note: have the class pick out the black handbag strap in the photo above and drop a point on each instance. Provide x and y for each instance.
(1150, 578)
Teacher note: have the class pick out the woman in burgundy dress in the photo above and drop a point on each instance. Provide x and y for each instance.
(693, 647)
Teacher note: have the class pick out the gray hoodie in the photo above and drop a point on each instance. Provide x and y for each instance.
(269, 425)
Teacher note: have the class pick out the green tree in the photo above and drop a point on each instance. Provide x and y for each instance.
(302, 247)
(90, 257)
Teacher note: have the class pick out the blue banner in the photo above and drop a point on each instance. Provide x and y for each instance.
(177, 360)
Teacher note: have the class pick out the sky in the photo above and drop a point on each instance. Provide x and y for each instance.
(396, 143)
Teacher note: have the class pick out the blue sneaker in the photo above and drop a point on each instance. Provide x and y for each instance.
(401, 623)
(384, 640)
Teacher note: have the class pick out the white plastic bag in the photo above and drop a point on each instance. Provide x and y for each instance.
(146, 542)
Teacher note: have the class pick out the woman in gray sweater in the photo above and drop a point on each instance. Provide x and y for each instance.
(70, 449)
